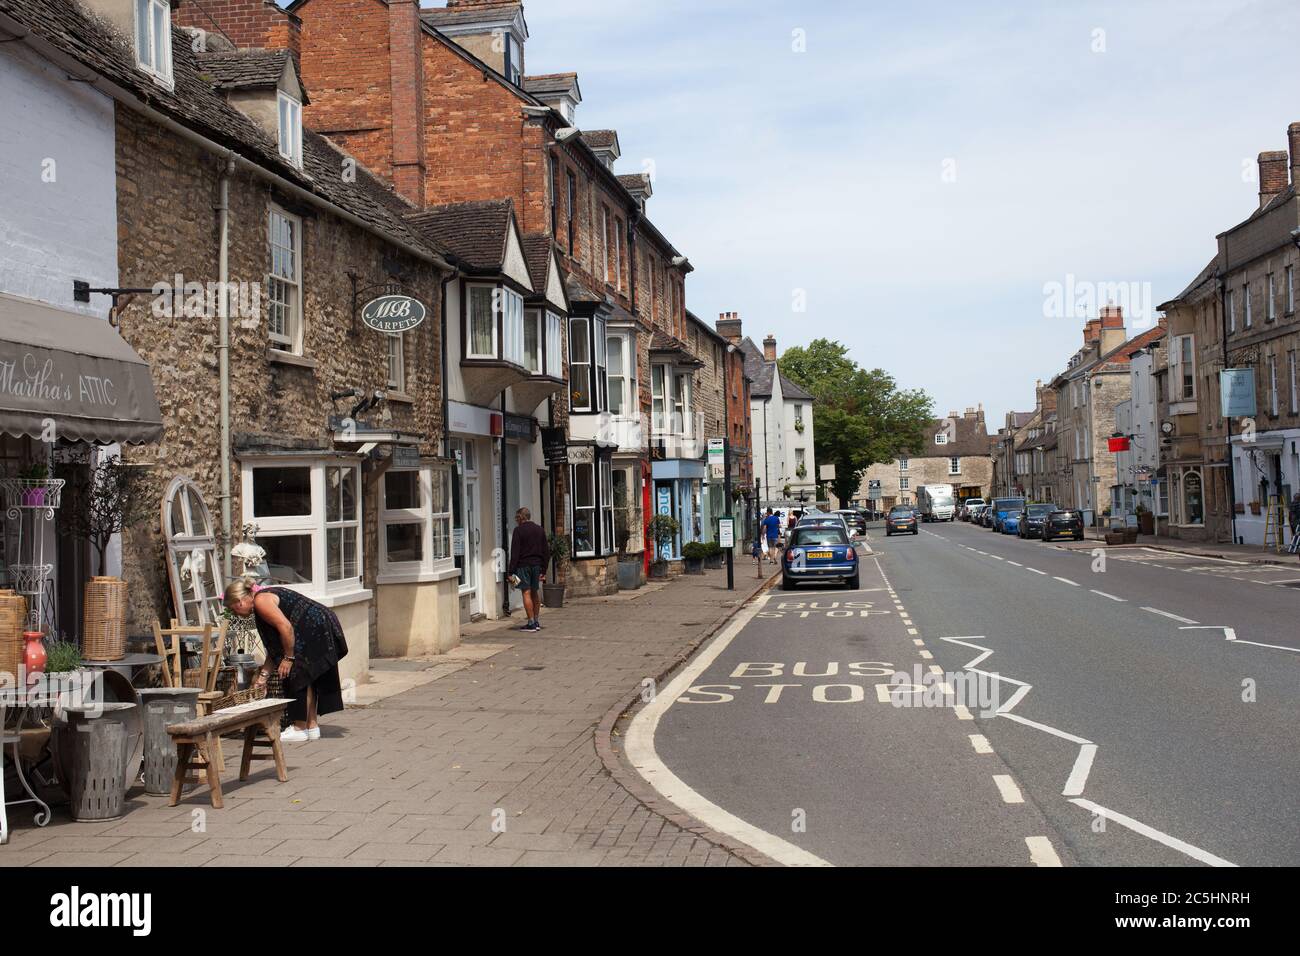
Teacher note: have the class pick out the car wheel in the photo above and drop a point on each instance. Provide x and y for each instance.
(1078, 537)
(853, 583)
(786, 583)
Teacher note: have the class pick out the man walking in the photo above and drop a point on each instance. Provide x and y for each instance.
(528, 552)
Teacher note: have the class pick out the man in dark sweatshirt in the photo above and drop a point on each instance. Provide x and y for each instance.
(528, 553)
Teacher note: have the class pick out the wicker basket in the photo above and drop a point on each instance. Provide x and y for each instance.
(104, 631)
(13, 621)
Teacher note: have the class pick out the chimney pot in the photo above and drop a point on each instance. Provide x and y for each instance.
(769, 348)
(1273, 171)
(729, 326)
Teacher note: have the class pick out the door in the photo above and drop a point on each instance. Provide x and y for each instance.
(466, 539)
(473, 545)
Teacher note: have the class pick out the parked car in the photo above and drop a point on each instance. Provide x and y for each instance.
(1001, 509)
(827, 520)
(855, 519)
(1032, 520)
(971, 508)
(819, 554)
(902, 519)
(1062, 523)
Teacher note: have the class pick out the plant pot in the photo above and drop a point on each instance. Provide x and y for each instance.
(553, 595)
(34, 497)
(104, 619)
(1255, 507)
(1130, 535)
(1147, 522)
(658, 570)
(693, 565)
(34, 655)
(629, 572)
(1114, 537)
(713, 562)
(1239, 508)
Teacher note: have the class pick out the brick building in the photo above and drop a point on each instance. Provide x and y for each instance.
(958, 451)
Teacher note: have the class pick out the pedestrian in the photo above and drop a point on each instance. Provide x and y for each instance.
(756, 551)
(771, 530)
(527, 565)
(304, 643)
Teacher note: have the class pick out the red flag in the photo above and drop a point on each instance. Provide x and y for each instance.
(1118, 444)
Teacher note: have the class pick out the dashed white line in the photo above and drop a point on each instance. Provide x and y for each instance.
(1016, 563)
(1036, 571)
(1196, 853)
(936, 669)
(962, 712)
(1007, 787)
(926, 655)
(1082, 767)
(1065, 581)
(912, 630)
(981, 744)
(918, 642)
(1111, 596)
(1172, 617)
(1041, 851)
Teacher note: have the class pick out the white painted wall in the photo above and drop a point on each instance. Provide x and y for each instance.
(58, 184)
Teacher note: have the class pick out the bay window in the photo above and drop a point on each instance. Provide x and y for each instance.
(481, 341)
(599, 347)
(495, 324)
(512, 326)
(533, 340)
(622, 374)
(584, 510)
(659, 397)
(308, 514)
(554, 348)
(580, 397)
(681, 424)
(1183, 381)
(415, 521)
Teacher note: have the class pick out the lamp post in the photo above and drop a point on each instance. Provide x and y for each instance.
(726, 463)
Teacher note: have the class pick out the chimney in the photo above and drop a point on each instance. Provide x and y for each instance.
(1091, 332)
(729, 326)
(769, 348)
(1112, 328)
(406, 78)
(1293, 144)
(952, 414)
(970, 412)
(249, 24)
(1273, 172)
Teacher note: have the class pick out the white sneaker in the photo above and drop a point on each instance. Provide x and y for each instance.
(293, 735)
(313, 733)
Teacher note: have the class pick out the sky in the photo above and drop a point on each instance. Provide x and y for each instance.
(910, 180)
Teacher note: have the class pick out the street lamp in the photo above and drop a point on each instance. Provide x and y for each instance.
(726, 463)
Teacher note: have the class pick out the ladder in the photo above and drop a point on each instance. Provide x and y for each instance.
(1275, 524)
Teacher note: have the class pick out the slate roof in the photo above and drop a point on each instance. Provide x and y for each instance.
(972, 440)
(537, 253)
(475, 232)
(662, 342)
(1020, 419)
(454, 16)
(761, 372)
(196, 104)
(244, 69)
(600, 138)
(1121, 355)
(579, 292)
(550, 83)
(791, 389)
(634, 182)
(1203, 278)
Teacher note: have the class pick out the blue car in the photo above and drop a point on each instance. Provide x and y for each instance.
(1005, 514)
(819, 554)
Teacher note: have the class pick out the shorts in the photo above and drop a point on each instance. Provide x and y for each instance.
(529, 577)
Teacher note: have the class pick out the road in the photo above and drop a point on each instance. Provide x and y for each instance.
(1128, 707)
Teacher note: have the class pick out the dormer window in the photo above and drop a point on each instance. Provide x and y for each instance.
(940, 438)
(290, 129)
(153, 38)
(514, 60)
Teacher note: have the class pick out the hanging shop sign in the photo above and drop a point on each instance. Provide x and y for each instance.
(1237, 392)
(582, 455)
(1118, 443)
(518, 427)
(393, 313)
(555, 447)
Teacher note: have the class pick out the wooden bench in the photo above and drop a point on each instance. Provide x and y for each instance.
(197, 748)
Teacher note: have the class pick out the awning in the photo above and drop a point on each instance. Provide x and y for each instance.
(73, 370)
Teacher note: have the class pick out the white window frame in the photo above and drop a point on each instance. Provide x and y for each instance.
(510, 305)
(606, 508)
(1247, 318)
(313, 524)
(574, 471)
(600, 359)
(580, 330)
(940, 438)
(436, 527)
(1270, 313)
(659, 415)
(145, 52)
(1272, 385)
(289, 113)
(682, 407)
(903, 482)
(623, 344)
(396, 362)
(1295, 395)
(1183, 379)
(954, 466)
(290, 339)
(903, 464)
(470, 291)
(554, 346)
(535, 318)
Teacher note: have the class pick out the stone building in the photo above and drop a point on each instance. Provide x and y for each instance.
(957, 451)
(334, 437)
(781, 414)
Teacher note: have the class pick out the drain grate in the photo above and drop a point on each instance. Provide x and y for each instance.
(534, 667)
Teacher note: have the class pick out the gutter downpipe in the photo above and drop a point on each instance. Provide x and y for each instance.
(223, 352)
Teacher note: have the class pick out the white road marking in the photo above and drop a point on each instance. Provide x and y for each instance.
(1111, 596)
(907, 620)
(981, 744)
(936, 669)
(1016, 563)
(1035, 570)
(1172, 617)
(1196, 853)
(1041, 851)
(1065, 581)
(1231, 635)
(996, 558)
(640, 750)
(926, 655)
(911, 630)
(918, 642)
(1079, 775)
(962, 712)
(1007, 787)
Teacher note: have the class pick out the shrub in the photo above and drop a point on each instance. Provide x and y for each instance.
(61, 657)
(695, 550)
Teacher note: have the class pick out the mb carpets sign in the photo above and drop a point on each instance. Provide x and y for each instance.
(393, 313)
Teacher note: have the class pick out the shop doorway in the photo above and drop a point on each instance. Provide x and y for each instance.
(466, 532)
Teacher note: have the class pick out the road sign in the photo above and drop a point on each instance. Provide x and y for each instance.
(717, 457)
(726, 532)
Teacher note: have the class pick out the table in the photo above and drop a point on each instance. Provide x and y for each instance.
(24, 703)
(128, 666)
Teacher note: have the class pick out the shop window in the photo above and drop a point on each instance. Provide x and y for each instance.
(584, 510)
(1192, 501)
(308, 516)
(415, 520)
(153, 38)
(284, 281)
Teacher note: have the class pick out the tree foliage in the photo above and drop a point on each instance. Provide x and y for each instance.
(103, 501)
(860, 416)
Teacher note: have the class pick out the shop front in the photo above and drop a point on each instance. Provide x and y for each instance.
(679, 488)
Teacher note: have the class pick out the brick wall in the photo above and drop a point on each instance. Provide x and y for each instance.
(166, 190)
(247, 23)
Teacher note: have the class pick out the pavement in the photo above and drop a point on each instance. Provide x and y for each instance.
(484, 758)
(1125, 707)
(1248, 553)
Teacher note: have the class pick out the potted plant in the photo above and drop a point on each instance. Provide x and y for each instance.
(713, 559)
(629, 563)
(1238, 508)
(553, 590)
(1255, 507)
(34, 495)
(798, 425)
(663, 531)
(693, 555)
(801, 472)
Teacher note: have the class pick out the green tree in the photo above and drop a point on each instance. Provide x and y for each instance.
(860, 416)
